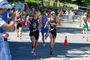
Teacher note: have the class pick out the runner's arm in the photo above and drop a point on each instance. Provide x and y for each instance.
(58, 23)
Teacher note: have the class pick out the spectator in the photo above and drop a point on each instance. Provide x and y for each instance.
(10, 27)
(71, 16)
(61, 12)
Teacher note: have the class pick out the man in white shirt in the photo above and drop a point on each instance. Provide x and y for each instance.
(10, 27)
(3, 24)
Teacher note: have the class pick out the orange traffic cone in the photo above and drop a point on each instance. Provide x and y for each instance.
(66, 41)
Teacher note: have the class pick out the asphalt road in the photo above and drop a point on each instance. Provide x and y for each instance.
(78, 48)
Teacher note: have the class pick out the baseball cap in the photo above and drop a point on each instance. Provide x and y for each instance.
(4, 4)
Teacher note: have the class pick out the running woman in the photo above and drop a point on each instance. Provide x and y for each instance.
(18, 24)
(53, 23)
(85, 20)
(44, 28)
(34, 32)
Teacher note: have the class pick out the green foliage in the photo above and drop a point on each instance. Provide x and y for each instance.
(87, 2)
(36, 3)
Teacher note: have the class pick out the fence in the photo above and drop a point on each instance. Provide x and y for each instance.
(69, 18)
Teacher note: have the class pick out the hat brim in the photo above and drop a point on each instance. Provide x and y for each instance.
(5, 5)
(8, 6)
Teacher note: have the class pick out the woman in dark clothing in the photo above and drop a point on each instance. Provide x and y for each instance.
(34, 32)
(18, 24)
(53, 22)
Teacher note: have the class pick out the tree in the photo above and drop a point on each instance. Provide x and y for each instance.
(80, 3)
(87, 2)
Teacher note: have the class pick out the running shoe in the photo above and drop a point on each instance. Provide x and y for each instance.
(33, 52)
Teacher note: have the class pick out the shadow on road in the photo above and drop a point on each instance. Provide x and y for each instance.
(22, 51)
(69, 30)
(63, 30)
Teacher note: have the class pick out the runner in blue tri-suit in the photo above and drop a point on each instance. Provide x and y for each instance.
(44, 28)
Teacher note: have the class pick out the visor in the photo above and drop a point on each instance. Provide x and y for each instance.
(4, 5)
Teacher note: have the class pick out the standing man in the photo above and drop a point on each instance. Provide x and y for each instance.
(5, 17)
(10, 27)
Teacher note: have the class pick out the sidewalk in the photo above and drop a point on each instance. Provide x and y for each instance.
(72, 38)
(71, 24)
